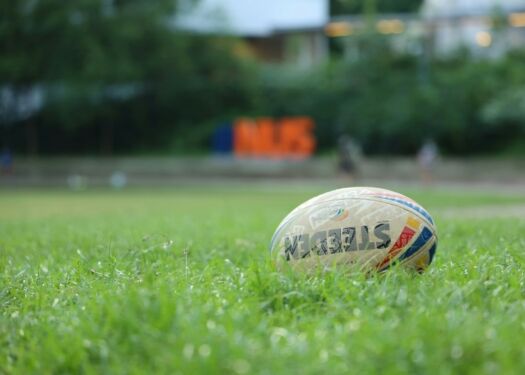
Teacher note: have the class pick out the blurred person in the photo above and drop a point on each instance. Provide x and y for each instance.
(427, 157)
(349, 156)
(6, 161)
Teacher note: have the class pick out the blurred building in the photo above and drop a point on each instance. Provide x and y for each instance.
(281, 31)
(486, 28)
(297, 31)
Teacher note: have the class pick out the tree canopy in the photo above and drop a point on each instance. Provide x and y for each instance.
(117, 62)
(342, 7)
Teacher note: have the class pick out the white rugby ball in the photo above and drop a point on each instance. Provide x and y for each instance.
(367, 228)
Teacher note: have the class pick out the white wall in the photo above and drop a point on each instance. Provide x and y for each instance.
(252, 17)
(467, 20)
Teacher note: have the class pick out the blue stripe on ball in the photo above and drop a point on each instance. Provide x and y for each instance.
(421, 241)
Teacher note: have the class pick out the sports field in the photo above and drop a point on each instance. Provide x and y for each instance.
(179, 281)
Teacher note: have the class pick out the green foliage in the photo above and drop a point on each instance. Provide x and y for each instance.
(505, 115)
(136, 81)
(86, 40)
(507, 108)
(391, 103)
(171, 281)
(342, 7)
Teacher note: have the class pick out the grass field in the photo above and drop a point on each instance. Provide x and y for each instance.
(179, 281)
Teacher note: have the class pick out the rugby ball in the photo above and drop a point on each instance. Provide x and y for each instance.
(367, 228)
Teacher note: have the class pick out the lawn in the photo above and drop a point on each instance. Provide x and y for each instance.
(179, 281)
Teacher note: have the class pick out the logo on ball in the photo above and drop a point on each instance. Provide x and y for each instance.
(337, 240)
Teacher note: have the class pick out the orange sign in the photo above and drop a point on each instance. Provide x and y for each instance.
(290, 137)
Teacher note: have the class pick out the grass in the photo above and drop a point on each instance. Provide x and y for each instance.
(179, 281)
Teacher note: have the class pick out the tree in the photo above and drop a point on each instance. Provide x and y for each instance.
(75, 49)
(118, 70)
(342, 7)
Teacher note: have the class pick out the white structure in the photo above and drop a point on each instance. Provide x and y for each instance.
(277, 30)
(453, 8)
(295, 31)
(485, 27)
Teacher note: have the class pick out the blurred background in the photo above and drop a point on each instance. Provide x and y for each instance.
(140, 92)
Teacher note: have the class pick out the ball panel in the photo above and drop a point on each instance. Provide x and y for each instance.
(432, 252)
(407, 251)
(421, 259)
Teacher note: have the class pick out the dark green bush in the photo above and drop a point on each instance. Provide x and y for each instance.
(468, 106)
